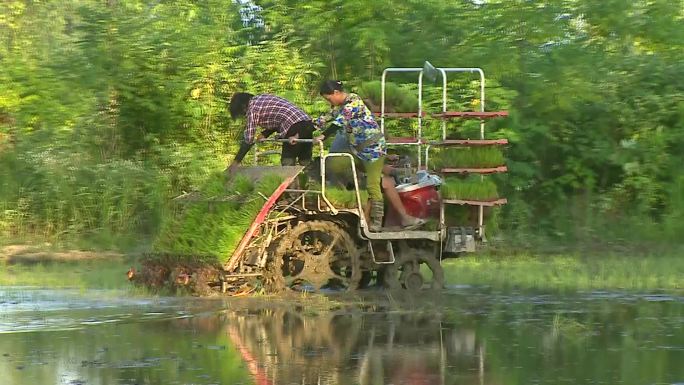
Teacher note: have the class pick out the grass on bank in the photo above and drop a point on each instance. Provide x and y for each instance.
(569, 272)
(551, 273)
(85, 274)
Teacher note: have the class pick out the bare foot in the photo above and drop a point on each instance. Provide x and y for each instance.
(409, 222)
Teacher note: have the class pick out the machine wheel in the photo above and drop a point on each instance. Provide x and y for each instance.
(406, 270)
(315, 255)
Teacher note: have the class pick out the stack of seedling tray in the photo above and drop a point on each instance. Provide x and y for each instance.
(465, 165)
(469, 188)
(476, 158)
(211, 222)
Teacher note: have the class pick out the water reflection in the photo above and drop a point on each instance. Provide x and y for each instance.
(469, 337)
(342, 347)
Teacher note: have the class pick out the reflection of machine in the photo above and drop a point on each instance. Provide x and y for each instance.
(301, 239)
(282, 346)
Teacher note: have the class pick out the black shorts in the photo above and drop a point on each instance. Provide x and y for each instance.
(298, 153)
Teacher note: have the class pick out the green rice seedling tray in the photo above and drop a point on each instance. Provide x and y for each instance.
(469, 188)
(215, 226)
(343, 198)
(466, 157)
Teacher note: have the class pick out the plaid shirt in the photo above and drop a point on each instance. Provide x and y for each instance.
(272, 113)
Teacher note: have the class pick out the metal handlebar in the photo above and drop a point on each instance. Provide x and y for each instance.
(320, 143)
(286, 140)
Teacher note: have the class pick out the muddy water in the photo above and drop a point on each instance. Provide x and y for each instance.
(466, 336)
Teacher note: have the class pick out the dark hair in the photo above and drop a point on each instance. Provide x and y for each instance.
(330, 86)
(238, 104)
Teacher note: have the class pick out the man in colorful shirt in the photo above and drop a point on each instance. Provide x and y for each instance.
(273, 114)
(366, 140)
(339, 171)
(363, 133)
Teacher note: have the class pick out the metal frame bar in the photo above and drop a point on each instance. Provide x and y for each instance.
(323, 158)
(447, 70)
(235, 258)
(420, 107)
(363, 226)
(444, 72)
(356, 184)
(390, 251)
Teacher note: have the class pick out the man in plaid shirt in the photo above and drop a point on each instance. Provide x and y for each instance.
(273, 114)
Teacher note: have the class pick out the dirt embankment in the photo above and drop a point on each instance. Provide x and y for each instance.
(29, 254)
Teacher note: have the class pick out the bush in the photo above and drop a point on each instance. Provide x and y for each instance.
(397, 99)
(61, 196)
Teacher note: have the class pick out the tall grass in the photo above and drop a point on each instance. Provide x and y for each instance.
(569, 272)
(59, 197)
(69, 197)
(82, 274)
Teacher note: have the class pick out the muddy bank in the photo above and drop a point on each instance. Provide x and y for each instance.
(178, 274)
(35, 254)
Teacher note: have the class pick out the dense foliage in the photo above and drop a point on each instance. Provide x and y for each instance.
(109, 108)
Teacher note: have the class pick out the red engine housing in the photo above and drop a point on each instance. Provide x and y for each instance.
(420, 200)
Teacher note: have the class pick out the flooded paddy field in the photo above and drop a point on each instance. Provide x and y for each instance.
(464, 335)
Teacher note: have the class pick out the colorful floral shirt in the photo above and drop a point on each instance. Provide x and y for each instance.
(357, 120)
